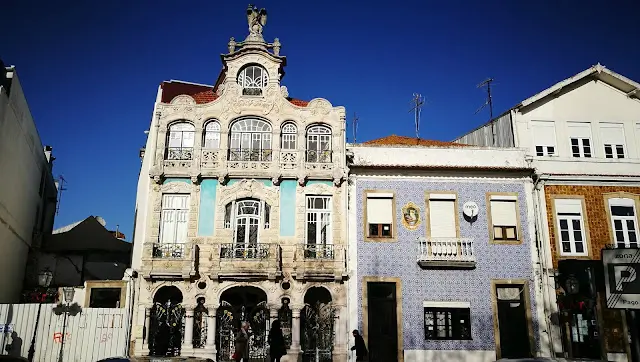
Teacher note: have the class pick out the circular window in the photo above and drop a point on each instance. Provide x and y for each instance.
(286, 285)
(202, 285)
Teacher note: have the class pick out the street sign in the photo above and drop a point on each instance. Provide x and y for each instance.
(621, 269)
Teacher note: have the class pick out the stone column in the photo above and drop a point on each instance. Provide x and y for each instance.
(295, 328)
(188, 328)
(340, 343)
(211, 328)
(147, 326)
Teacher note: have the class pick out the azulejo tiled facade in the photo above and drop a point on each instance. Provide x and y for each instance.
(493, 261)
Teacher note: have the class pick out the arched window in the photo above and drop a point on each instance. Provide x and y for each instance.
(246, 217)
(180, 141)
(319, 144)
(211, 135)
(250, 140)
(289, 135)
(253, 79)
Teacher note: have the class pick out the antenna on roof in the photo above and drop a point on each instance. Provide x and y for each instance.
(489, 102)
(60, 181)
(417, 101)
(354, 124)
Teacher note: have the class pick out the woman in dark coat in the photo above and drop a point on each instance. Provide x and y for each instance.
(242, 343)
(277, 348)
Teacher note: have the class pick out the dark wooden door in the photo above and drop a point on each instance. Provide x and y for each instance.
(383, 330)
(512, 323)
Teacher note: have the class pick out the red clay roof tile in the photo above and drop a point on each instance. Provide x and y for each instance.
(202, 94)
(411, 141)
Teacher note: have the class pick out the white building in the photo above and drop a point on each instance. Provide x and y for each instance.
(28, 193)
(583, 137)
(239, 214)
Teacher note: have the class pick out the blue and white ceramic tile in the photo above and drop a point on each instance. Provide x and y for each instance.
(399, 260)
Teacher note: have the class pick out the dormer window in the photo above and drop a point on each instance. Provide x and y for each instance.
(253, 79)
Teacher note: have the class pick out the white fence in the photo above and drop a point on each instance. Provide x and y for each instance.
(91, 335)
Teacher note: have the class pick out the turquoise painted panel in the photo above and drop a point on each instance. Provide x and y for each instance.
(185, 180)
(288, 207)
(322, 182)
(208, 189)
(263, 181)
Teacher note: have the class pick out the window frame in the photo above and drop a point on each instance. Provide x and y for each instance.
(621, 195)
(329, 210)
(162, 210)
(293, 133)
(509, 197)
(556, 227)
(244, 83)
(614, 147)
(365, 222)
(444, 195)
(99, 284)
(454, 309)
(320, 156)
(206, 132)
(264, 215)
(239, 154)
(544, 148)
(580, 131)
(185, 152)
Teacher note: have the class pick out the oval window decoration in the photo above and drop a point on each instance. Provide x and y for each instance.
(411, 216)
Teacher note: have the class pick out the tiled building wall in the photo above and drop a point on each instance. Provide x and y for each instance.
(399, 259)
(598, 229)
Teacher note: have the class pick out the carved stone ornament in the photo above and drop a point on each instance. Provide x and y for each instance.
(302, 179)
(284, 91)
(195, 179)
(176, 187)
(276, 179)
(319, 107)
(157, 179)
(223, 179)
(338, 177)
(183, 99)
(220, 89)
(250, 188)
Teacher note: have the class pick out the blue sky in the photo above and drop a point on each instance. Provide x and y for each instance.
(90, 69)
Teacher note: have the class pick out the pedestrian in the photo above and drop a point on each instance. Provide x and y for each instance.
(277, 348)
(359, 347)
(242, 343)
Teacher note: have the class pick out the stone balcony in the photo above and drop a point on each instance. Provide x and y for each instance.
(169, 260)
(446, 253)
(238, 163)
(320, 262)
(252, 261)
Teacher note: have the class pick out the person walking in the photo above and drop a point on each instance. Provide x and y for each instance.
(242, 343)
(359, 347)
(277, 348)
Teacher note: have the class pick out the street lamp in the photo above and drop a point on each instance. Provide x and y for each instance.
(44, 280)
(573, 285)
(66, 309)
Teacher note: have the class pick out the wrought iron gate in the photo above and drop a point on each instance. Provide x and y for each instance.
(166, 329)
(317, 332)
(230, 318)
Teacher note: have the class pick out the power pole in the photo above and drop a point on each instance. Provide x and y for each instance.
(61, 188)
(354, 124)
(489, 102)
(417, 102)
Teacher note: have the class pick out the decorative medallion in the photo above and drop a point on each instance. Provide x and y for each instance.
(411, 216)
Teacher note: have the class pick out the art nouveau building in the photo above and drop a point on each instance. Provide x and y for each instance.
(240, 214)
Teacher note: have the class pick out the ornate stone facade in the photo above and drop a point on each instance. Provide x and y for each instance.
(210, 261)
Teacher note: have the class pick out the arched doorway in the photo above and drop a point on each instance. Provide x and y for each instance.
(237, 305)
(167, 323)
(317, 326)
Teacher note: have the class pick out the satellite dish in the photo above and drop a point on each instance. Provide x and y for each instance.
(470, 209)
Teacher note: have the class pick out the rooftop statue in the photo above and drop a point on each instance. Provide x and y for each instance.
(256, 19)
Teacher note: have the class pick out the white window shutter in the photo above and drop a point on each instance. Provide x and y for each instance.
(612, 133)
(174, 139)
(442, 219)
(544, 133)
(568, 206)
(379, 210)
(174, 218)
(168, 231)
(579, 129)
(503, 213)
(182, 218)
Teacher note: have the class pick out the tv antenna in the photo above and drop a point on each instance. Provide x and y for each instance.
(489, 102)
(61, 188)
(354, 124)
(418, 102)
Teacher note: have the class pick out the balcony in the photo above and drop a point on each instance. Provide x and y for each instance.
(248, 159)
(319, 160)
(178, 157)
(446, 253)
(320, 262)
(211, 159)
(169, 260)
(251, 261)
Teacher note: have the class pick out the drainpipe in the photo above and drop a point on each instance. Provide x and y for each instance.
(543, 251)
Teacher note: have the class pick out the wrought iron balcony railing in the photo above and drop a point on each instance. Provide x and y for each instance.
(319, 251)
(179, 153)
(320, 261)
(314, 156)
(446, 252)
(237, 154)
(244, 251)
(163, 260)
